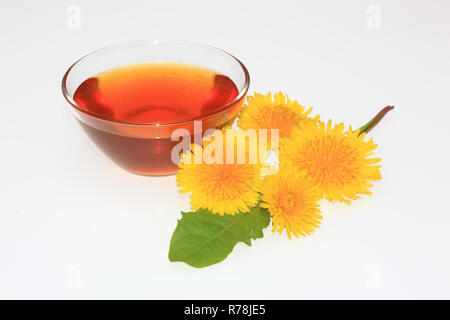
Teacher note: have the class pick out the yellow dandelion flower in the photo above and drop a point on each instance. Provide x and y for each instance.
(291, 199)
(337, 162)
(263, 112)
(221, 183)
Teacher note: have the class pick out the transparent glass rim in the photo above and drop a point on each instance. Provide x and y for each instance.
(74, 104)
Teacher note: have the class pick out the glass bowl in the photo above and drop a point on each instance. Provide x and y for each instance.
(141, 147)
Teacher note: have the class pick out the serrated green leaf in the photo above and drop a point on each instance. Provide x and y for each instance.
(202, 238)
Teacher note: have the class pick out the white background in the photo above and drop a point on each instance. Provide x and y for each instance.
(73, 225)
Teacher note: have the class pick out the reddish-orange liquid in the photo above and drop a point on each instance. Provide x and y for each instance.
(149, 93)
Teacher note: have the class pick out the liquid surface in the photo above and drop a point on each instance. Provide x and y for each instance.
(155, 92)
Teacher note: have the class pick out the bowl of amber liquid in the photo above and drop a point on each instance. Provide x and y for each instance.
(132, 98)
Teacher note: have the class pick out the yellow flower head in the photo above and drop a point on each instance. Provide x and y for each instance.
(221, 176)
(337, 162)
(261, 112)
(292, 201)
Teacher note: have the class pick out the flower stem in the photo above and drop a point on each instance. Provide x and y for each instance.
(374, 121)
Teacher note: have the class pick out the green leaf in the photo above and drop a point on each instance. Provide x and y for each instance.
(202, 238)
